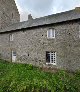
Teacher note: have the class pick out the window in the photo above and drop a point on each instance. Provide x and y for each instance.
(13, 56)
(14, 53)
(11, 37)
(51, 33)
(51, 58)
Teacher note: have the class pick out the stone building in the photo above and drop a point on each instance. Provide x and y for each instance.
(8, 13)
(50, 41)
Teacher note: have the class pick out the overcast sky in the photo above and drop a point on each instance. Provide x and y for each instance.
(38, 8)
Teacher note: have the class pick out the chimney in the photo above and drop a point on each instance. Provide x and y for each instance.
(30, 17)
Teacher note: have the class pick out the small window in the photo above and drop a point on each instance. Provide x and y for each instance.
(51, 33)
(51, 58)
(14, 53)
(11, 37)
(13, 56)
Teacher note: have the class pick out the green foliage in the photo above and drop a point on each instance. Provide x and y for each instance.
(27, 78)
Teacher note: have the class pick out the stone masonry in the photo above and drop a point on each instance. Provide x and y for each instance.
(30, 41)
(31, 45)
(8, 13)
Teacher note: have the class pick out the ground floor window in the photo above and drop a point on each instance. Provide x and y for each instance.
(51, 58)
(13, 56)
(14, 53)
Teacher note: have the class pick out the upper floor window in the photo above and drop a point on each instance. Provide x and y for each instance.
(11, 37)
(51, 58)
(51, 33)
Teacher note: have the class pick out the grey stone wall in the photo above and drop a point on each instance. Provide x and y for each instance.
(31, 46)
(8, 13)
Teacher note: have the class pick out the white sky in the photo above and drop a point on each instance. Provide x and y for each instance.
(38, 8)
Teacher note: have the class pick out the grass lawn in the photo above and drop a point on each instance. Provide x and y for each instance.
(27, 78)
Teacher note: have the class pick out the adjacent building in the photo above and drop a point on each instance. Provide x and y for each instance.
(8, 13)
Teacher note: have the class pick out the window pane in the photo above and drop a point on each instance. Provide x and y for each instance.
(14, 53)
(51, 57)
(11, 37)
(49, 33)
(47, 57)
(53, 33)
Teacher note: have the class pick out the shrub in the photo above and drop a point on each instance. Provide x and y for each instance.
(27, 78)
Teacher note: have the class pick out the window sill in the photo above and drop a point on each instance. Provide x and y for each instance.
(50, 64)
(51, 38)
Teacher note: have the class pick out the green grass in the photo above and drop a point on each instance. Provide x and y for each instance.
(27, 78)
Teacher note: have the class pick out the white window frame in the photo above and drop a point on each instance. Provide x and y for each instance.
(52, 33)
(52, 55)
(11, 37)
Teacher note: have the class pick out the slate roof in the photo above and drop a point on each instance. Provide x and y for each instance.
(51, 19)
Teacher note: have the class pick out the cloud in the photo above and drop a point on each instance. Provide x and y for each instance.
(40, 8)
(64, 5)
(34, 6)
(37, 8)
